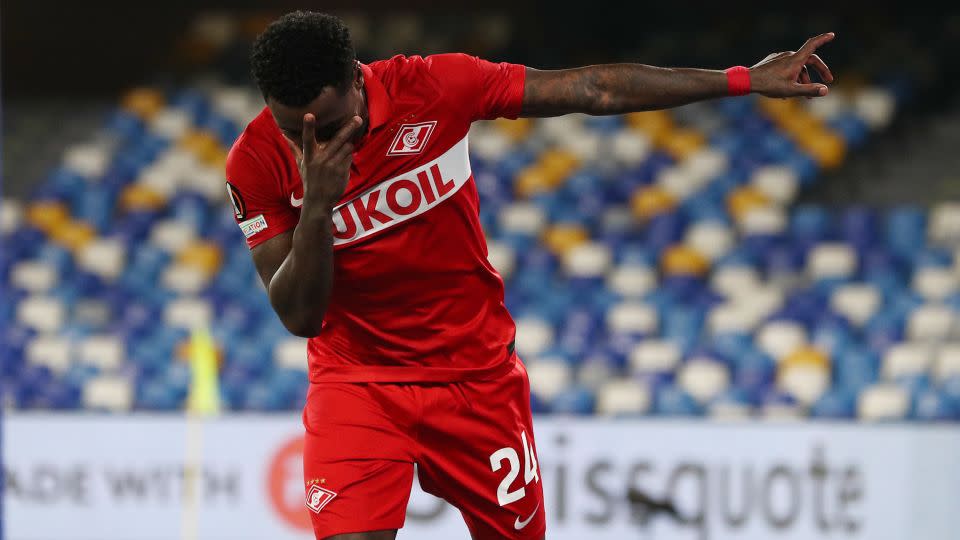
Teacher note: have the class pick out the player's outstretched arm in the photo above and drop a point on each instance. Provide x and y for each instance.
(622, 88)
(297, 267)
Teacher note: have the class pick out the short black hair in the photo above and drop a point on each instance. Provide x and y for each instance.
(301, 53)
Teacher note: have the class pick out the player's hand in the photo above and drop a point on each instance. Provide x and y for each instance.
(786, 74)
(325, 167)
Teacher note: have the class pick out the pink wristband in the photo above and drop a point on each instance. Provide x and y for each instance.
(738, 81)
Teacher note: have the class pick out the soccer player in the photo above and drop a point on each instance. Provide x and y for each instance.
(354, 191)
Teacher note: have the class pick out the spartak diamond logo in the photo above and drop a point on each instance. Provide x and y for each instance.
(317, 498)
(411, 138)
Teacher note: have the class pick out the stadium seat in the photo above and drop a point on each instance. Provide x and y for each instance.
(883, 402)
(110, 393)
(51, 351)
(907, 359)
(623, 397)
(105, 352)
(41, 313)
(857, 302)
(549, 377)
(703, 378)
(291, 353)
(780, 338)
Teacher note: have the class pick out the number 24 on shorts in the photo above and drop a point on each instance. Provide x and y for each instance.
(504, 495)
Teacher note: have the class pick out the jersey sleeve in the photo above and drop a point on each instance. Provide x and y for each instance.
(259, 206)
(491, 90)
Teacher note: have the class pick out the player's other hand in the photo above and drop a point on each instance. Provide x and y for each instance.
(787, 74)
(325, 167)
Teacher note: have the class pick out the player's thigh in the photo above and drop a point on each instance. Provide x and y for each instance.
(357, 459)
(480, 455)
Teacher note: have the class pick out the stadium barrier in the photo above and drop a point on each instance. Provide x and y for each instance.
(90, 477)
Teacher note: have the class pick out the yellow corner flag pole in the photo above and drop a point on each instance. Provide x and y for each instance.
(203, 401)
(204, 397)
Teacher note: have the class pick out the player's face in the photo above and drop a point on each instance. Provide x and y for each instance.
(331, 108)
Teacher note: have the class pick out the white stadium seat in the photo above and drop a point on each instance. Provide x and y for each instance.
(875, 106)
(161, 180)
(947, 362)
(935, 283)
(630, 147)
(587, 146)
(906, 359)
(188, 313)
(50, 351)
(703, 379)
(502, 257)
(944, 225)
(779, 183)
(632, 281)
(763, 220)
(104, 257)
(522, 218)
(735, 281)
(780, 338)
(710, 238)
(172, 235)
(654, 356)
(184, 279)
(104, 351)
(534, 335)
(705, 164)
(829, 106)
(679, 182)
(34, 276)
(732, 317)
(171, 123)
(488, 144)
(89, 159)
(727, 411)
(556, 127)
(805, 382)
(108, 392)
(931, 322)
(590, 259)
(632, 318)
(11, 214)
(831, 260)
(291, 353)
(623, 397)
(43, 314)
(593, 375)
(549, 377)
(883, 402)
(857, 302)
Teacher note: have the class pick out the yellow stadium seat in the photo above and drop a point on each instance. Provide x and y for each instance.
(47, 215)
(204, 256)
(562, 238)
(558, 164)
(531, 181)
(73, 235)
(780, 110)
(516, 130)
(651, 201)
(826, 147)
(139, 197)
(143, 102)
(806, 356)
(202, 144)
(744, 199)
(656, 124)
(681, 143)
(682, 260)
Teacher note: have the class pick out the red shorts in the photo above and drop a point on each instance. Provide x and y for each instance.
(472, 443)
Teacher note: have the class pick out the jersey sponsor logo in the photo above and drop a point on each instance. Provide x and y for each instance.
(411, 138)
(318, 497)
(402, 197)
(295, 202)
(519, 524)
(253, 226)
(239, 207)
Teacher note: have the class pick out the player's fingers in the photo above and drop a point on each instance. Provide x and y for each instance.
(804, 77)
(343, 155)
(344, 134)
(818, 64)
(814, 43)
(308, 139)
(810, 90)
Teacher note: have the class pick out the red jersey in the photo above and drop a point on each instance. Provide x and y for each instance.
(414, 298)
